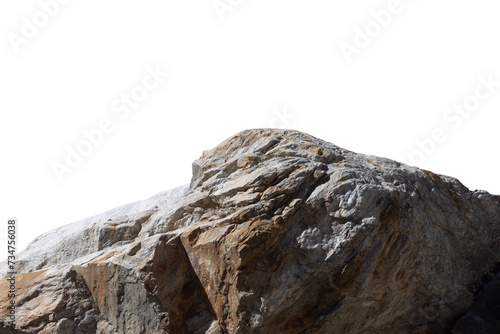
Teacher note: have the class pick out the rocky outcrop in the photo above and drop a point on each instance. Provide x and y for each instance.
(278, 232)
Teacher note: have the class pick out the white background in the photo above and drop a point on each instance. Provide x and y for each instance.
(258, 64)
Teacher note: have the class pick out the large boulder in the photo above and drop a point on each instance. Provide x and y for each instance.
(277, 232)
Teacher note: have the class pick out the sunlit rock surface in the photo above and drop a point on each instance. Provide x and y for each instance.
(278, 232)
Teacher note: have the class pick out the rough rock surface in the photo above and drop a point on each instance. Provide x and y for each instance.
(278, 232)
(484, 317)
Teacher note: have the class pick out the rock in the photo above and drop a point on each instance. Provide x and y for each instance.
(484, 316)
(277, 232)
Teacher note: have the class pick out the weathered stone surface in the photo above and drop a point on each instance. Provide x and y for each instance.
(484, 317)
(278, 232)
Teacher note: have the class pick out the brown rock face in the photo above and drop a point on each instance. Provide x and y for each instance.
(278, 232)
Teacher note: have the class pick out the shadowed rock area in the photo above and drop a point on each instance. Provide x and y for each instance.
(277, 232)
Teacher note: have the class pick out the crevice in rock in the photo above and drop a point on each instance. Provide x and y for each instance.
(484, 314)
(182, 304)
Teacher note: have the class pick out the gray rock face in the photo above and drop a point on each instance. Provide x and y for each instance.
(278, 232)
